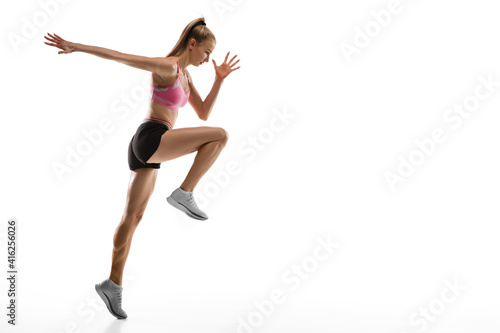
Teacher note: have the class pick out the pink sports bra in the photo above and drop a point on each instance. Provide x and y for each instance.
(172, 96)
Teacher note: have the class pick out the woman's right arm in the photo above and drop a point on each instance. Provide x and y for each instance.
(159, 65)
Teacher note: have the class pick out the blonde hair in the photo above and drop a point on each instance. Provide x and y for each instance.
(196, 29)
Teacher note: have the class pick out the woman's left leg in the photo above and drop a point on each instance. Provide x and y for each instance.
(141, 186)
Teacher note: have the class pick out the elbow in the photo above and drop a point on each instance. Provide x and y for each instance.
(202, 115)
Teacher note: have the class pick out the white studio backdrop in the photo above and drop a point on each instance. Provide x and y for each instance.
(358, 191)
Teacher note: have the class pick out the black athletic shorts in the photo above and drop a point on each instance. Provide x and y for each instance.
(145, 142)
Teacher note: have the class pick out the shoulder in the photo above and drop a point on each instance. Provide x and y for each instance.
(171, 69)
(171, 61)
(171, 64)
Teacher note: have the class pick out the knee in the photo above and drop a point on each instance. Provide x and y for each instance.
(223, 135)
(133, 217)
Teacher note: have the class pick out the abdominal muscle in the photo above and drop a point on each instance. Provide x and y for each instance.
(161, 112)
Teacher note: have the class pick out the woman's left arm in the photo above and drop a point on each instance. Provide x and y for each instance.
(204, 108)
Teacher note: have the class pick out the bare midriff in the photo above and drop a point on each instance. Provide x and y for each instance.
(158, 111)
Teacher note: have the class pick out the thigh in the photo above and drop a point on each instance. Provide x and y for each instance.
(179, 142)
(140, 188)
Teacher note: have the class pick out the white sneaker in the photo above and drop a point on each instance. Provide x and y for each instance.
(111, 294)
(184, 201)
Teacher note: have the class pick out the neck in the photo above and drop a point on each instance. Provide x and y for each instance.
(183, 61)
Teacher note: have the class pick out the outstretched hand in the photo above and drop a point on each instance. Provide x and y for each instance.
(224, 69)
(64, 45)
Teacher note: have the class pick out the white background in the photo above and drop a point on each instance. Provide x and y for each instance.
(321, 176)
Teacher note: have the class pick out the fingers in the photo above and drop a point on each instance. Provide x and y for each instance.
(230, 61)
(50, 39)
(57, 42)
(230, 64)
(52, 44)
(56, 45)
(234, 63)
(60, 47)
(55, 38)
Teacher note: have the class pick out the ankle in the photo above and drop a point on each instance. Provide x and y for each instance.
(186, 189)
(115, 280)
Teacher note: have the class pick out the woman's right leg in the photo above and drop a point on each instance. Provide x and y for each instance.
(141, 186)
(208, 141)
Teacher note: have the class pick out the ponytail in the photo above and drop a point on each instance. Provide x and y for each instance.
(196, 29)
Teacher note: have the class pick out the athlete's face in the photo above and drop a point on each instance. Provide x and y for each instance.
(201, 52)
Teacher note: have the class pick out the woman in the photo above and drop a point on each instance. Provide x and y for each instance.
(156, 141)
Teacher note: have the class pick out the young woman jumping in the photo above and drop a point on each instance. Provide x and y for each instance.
(156, 141)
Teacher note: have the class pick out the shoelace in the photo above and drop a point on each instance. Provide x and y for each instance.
(119, 298)
(191, 200)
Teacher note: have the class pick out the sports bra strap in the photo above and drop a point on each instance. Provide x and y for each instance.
(179, 71)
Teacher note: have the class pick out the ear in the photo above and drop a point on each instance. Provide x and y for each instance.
(192, 43)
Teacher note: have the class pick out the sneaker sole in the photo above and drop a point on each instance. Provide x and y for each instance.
(177, 205)
(106, 301)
